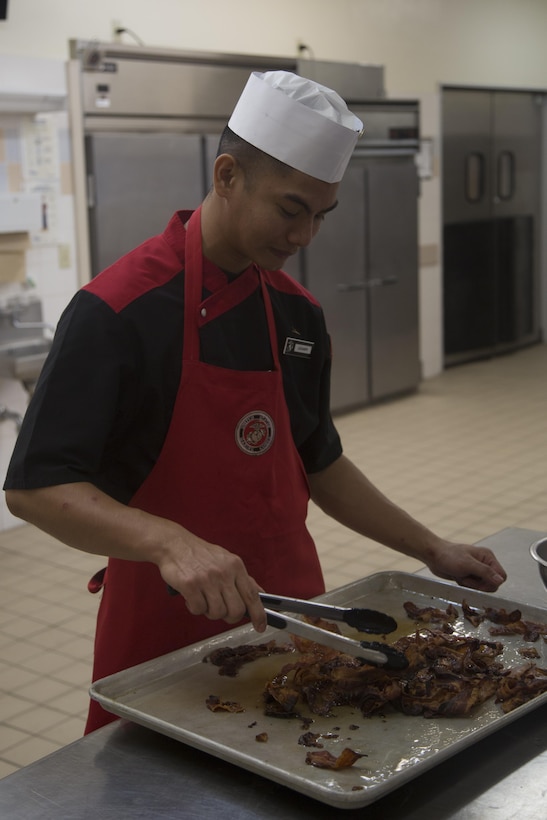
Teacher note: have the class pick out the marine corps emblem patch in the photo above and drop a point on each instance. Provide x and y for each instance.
(255, 433)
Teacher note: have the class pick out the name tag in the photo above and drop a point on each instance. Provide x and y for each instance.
(298, 347)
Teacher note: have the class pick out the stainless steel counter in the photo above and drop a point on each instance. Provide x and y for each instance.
(126, 771)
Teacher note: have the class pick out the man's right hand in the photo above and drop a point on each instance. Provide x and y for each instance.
(213, 581)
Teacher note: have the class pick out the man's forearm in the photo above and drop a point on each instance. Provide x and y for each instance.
(213, 581)
(84, 517)
(344, 493)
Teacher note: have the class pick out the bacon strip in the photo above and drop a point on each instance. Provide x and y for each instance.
(521, 685)
(215, 704)
(230, 659)
(430, 614)
(326, 760)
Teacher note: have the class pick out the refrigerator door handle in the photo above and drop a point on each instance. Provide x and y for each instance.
(346, 287)
(505, 177)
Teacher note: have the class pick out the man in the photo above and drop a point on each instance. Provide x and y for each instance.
(174, 429)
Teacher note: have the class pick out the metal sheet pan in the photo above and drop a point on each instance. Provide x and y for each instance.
(168, 695)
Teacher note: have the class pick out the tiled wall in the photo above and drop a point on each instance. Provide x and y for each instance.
(35, 157)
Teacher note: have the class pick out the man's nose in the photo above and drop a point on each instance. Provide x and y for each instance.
(302, 234)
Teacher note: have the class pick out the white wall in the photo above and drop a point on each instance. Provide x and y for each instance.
(421, 42)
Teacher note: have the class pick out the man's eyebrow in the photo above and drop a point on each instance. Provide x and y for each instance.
(302, 202)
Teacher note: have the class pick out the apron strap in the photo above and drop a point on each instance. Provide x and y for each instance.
(270, 319)
(98, 581)
(193, 279)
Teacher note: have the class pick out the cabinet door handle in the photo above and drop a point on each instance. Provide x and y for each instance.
(474, 176)
(90, 191)
(505, 181)
(346, 287)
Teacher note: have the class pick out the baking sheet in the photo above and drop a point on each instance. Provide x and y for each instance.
(168, 695)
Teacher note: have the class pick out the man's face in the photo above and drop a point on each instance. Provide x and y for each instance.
(274, 215)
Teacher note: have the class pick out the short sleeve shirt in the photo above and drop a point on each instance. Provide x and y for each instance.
(102, 405)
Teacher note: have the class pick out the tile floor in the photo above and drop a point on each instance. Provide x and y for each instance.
(465, 454)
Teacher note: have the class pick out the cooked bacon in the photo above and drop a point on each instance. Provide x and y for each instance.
(474, 616)
(430, 694)
(520, 685)
(459, 652)
(501, 616)
(326, 760)
(430, 614)
(529, 630)
(508, 623)
(310, 739)
(448, 673)
(215, 704)
(281, 698)
(230, 659)
(529, 652)
(342, 681)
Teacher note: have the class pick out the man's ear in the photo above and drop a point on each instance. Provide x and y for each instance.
(226, 171)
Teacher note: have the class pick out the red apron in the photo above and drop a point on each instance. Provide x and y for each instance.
(230, 473)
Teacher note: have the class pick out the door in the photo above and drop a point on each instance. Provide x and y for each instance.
(363, 268)
(136, 182)
(516, 162)
(392, 275)
(491, 194)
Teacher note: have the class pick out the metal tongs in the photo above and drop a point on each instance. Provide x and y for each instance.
(364, 620)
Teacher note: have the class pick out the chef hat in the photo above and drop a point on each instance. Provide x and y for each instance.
(299, 122)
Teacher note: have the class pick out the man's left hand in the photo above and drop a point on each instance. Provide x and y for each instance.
(469, 566)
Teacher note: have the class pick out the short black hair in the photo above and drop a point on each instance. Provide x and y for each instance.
(253, 161)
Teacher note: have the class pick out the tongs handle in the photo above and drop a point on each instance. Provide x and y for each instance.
(364, 620)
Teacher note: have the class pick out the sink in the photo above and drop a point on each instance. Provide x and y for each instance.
(23, 345)
(24, 360)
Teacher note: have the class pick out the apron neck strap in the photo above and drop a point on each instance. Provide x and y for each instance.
(193, 284)
(193, 278)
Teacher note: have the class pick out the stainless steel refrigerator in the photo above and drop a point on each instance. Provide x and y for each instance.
(136, 181)
(363, 264)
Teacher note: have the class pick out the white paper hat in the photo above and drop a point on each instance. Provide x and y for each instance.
(297, 121)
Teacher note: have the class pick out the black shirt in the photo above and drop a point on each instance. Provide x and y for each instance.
(103, 402)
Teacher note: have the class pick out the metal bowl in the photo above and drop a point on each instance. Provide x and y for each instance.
(538, 551)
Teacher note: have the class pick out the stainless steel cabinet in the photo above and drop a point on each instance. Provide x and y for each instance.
(491, 201)
(335, 265)
(136, 181)
(363, 268)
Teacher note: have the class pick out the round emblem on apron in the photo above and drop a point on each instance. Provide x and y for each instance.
(255, 433)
